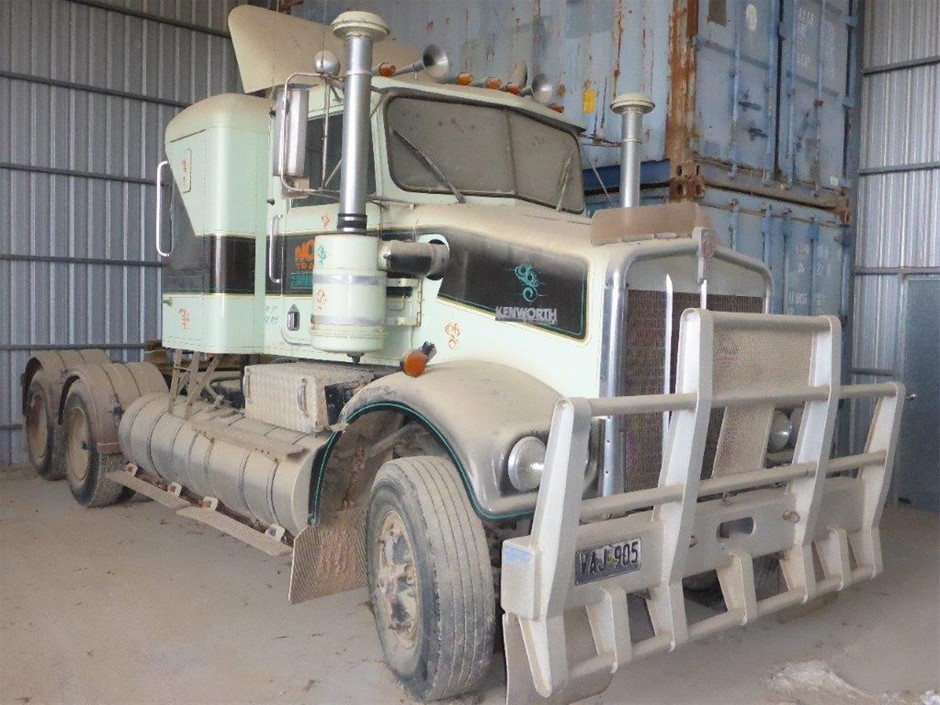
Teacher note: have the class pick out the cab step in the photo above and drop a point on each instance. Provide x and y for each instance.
(268, 541)
(207, 512)
(128, 478)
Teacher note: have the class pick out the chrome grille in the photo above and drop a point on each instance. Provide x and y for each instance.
(642, 373)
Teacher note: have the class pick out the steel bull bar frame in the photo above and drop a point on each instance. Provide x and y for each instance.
(566, 638)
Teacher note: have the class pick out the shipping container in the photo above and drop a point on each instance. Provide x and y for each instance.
(751, 95)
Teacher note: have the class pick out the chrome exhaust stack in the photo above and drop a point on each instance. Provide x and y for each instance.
(360, 30)
(631, 107)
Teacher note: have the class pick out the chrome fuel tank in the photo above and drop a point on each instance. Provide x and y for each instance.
(255, 469)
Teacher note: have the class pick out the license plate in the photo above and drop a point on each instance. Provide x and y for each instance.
(607, 561)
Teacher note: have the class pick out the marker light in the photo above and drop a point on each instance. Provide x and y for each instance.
(464, 79)
(386, 69)
(414, 362)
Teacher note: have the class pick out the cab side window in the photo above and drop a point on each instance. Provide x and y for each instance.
(334, 153)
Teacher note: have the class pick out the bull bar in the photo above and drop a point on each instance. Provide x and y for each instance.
(816, 510)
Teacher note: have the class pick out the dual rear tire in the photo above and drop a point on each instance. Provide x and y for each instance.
(69, 450)
(86, 470)
(39, 425)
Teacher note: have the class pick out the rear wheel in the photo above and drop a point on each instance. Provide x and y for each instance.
(85, 468)
(430, 578)
(40, 429)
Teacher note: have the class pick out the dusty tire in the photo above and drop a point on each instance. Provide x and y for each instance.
(85, 468)
(39, 429)
(436, 619)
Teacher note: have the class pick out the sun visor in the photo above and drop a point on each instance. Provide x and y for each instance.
(669, 220)
(270, 46)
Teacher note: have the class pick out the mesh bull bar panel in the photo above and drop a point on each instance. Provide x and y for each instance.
(811, 509)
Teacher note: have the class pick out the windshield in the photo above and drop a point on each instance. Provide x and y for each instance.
(482, 150)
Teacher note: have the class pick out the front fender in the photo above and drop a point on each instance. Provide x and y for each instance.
(477, 410)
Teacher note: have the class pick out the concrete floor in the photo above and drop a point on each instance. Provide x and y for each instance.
(132, 604)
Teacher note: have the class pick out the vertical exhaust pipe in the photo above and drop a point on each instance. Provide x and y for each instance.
(631, 107)
(348, 288)
(360, 30)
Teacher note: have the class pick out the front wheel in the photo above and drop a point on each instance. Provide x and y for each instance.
(430, 578)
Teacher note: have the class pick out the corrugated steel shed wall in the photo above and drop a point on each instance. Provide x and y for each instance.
(899, 182)
(86, 90)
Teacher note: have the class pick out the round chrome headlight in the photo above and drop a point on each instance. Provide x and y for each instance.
(779, 432)
(526, 462)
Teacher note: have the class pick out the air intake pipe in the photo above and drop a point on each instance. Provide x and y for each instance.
(348, 289)
(631, 107)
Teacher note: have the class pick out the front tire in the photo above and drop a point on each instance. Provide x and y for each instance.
(85, 468)
(430, 578)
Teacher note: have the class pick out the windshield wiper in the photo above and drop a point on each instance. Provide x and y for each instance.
(563, 182)
(426, 160)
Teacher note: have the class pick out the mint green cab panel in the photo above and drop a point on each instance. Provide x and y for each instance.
(218, 152)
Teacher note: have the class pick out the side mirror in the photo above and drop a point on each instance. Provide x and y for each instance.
(291, 133)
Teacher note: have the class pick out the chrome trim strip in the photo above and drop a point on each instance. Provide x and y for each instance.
(358, 279)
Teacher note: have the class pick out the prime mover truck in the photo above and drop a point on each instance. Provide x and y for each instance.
(399, 350)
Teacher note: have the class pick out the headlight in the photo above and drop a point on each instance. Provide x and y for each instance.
(784, 429)
(779, 432)
(526, 462)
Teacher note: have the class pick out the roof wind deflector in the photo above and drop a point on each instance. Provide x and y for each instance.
(270, 46)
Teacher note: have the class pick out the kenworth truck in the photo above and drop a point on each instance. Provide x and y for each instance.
(402, 353)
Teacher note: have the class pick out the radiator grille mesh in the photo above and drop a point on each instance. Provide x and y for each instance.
(642, 373)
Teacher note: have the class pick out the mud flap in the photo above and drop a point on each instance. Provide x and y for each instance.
(330, 557)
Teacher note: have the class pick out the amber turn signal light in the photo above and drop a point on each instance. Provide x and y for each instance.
(414, 362)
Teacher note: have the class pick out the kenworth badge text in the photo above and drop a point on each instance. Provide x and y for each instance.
(396, 348)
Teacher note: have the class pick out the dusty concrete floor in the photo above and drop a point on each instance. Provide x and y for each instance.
(132, 604)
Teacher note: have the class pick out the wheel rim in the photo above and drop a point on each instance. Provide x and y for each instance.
(397, 580)
(79, 437)
(37, 429)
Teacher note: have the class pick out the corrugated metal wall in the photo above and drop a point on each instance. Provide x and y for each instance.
(898, 227)
(86, 90)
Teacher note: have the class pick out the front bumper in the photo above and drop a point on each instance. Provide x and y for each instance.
(816, 510)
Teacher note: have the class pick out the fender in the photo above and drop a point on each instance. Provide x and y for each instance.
(112, 387)
(56, 364)
(477, 411)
